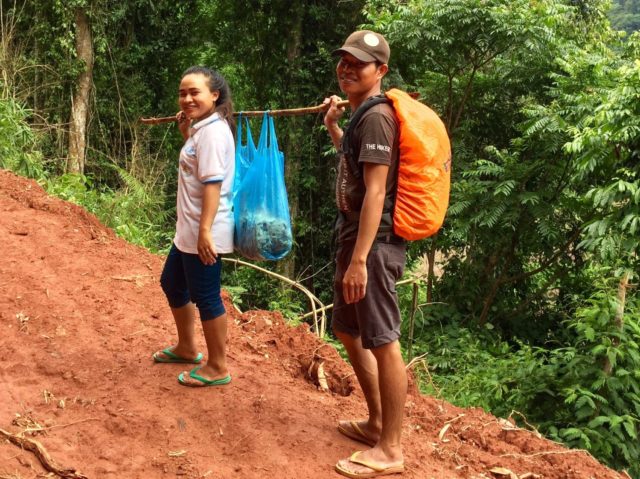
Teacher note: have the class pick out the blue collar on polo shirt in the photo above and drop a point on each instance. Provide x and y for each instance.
(205, 122)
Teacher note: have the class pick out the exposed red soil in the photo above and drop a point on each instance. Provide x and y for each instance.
(81, 312)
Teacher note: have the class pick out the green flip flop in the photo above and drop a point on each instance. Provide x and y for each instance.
(193, 374)
(174, 358)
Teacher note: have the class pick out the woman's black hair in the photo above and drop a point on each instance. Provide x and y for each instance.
(216, 82)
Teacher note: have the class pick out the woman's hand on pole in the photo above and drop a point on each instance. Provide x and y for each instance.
(184, 123)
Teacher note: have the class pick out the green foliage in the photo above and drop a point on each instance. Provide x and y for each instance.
(473, 367)
(235, 293)
(585, 392)
(606, 144)
(599, 381)
(135, 211)
(625, 15)
(18, 145)
(256, 290)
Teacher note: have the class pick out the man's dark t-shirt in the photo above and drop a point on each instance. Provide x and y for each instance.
(376, 136)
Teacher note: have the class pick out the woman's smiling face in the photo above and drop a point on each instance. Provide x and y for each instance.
(195, 98)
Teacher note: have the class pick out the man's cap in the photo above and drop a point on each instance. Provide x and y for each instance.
(366, 46)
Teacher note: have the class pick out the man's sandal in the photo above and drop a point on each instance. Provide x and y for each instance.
(376, 469)
(352, 430)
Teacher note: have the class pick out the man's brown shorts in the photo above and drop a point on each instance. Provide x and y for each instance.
(376, 317)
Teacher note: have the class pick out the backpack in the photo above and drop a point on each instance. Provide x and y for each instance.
(424, 170)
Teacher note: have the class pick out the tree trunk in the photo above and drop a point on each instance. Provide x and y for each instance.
(80, 104)
(431, 260)
(493, 291)
(287, 266)
(618, 319)
(36, 80)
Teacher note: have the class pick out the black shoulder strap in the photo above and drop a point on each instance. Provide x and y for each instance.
(348, 148)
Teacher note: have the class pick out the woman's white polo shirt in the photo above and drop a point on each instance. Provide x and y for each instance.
(207, 156)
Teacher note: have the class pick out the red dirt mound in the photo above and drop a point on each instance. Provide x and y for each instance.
(81, 312)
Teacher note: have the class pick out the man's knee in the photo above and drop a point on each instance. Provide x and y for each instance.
(342, 335)
(387, 351)
(349, 340)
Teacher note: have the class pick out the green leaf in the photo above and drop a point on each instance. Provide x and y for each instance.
(598, 421)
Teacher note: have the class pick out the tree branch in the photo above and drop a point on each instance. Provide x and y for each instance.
(42, 455)
(465, 97)
(546, 264)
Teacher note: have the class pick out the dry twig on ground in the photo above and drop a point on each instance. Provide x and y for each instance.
(42, 455)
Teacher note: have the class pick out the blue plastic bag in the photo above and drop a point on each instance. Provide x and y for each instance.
(244, 153)
(260, 204)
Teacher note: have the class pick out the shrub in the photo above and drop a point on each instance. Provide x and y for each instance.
(18, 144)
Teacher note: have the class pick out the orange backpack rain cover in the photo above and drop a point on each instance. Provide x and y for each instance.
(424, 174)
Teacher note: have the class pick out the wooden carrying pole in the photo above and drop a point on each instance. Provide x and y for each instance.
(290, 112)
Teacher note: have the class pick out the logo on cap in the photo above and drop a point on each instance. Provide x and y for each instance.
(371, 40)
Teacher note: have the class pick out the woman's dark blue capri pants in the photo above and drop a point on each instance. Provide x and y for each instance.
(185, 278)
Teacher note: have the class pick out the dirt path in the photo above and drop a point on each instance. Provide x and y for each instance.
(81, 312)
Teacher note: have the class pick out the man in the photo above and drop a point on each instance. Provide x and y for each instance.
(369, 257)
